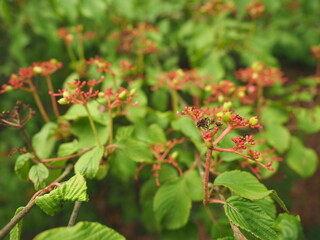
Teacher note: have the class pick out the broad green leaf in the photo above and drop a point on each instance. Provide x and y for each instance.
(268, 206)
(72, 190)
(82, 129)
(159, 99)
(88, 163)
(122, 166)
(78, 111)
(289, 227)
(301, 159)
(278, 136)
(308, 120)
(247, 186)
(137, 151)
(188, 128)
(124, 133)
(249, 216)
(242, 183)
(67, 149)
(152, 134)
(82, 230)
(15, 232)
(172, 204)
(44, 141)
(273, 115)
(22, 165)
(38, 174)
(189, 232)
(194, 185)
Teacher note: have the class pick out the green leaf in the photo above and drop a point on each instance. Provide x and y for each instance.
(278, 136)
(249, 216)
(194, 183)
(88, 163)
(172, 204)
(22, 165)
(67, 149)
(82, 129)
(189, 232)
(289, 227)
(122, 166)
(135, 150)
(273, 115)
(302, 160)
(242, 183)
(124, 133)
(268, 206)
(247, 186)
(38, 174)
(77, 111)
(15, 232)
(159, 99)
(308, 120)
(82, 230)
(44, 141)
(72, 190)
(152, 134)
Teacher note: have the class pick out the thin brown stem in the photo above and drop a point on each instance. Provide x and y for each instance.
(38, 101)
(53, 99)
(74, 213)
(66, 157)
(4, 231)
(206, 176)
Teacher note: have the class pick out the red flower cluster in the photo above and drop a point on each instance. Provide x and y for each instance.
(260, 75)
(23, 78)
(243, 142)
(68, 36)
(215, 7)
(225, 91)
(181, 79)
(115, 99)
(161, 153)
(105, 66)
(133, 39)
(255, 9)
(78, 95)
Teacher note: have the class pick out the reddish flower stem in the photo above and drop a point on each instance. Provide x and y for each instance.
(206, 176)
(38, 101)
(53, 100)
(222, 135)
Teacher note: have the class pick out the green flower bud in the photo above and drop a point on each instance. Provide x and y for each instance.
(174, 155)
(227, 105)
(221, 98)
(208, 88)
(101, 95)
(62, 101)
(8, 88)
(219, 114)
(54, 61)
(123, 95)
(133, 91)
(226, 117)
(253, 121)
(37, 70)
(66, 94)
(241, 94)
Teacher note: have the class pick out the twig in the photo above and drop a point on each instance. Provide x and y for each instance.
(74, 213)
(4, 231)
(206, 176)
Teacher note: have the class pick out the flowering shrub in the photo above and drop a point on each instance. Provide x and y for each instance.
(172, 122)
